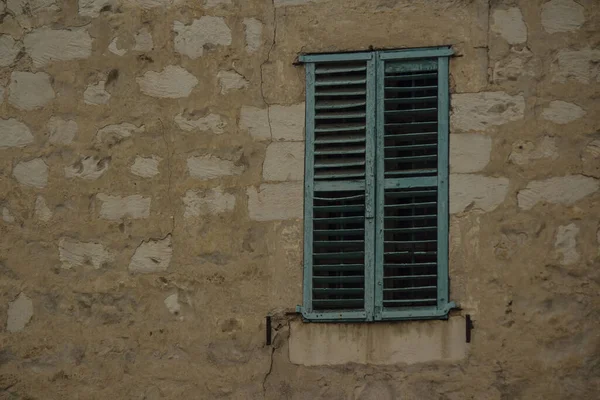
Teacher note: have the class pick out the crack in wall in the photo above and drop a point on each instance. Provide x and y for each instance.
(267, 60)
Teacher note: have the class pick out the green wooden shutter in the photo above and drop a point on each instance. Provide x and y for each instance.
(339, 197)
(412, 186)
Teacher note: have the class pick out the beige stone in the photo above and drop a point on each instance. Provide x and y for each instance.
(145, 167)
(284, 161)
(41, 210)
(277, 201)
(590, 159)
(32, 173)
(562, 112)
(45, 45)
(469, 152)
(89, 168)
(150, 4)
(7, 216)
(558, 190)
(519, 63)
(14, 133)
(9, 48)
(61, 131)
(152, 256)
(524, 152)
(113, 47)
(73, 254)
(20, 312)
(31, 7)
(213, 201)
(115, 208)
(172, 82)
(143, 40)
(231, 80)
(210, 122)
(562, 16)
(92, 8)
(210, 167)
(287, 122)
(579, 65)
(510, 25)
(256, 122)
(566, 243)
(470, 191)
(29, 91)
(286, 3)
(253, 31)
(96, 94)
(480, 111)
(191, 39)
(118, 132)
(172, 304)
(377, 344)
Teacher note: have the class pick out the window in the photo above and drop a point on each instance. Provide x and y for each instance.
(376, 186)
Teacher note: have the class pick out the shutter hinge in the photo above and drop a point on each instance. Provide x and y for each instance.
(469, 327)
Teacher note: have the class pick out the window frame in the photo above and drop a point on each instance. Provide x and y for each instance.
(373, 276)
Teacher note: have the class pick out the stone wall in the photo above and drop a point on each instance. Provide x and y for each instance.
(151, 166)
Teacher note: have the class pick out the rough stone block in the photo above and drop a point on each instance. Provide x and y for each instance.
(45, 45)
(29, 91)
(410, 342)
(562, 16)
(89, 168)
(143, 40)
(14, 133)
(524, 152)
(115, 208)
(145, 167)
(73, 253)
(172, 304)
(590, 158)
(287, 122)
(190, 40)
(41, 210)
(210, 167)
(117, 132)
(152, 256)
(469, 152)
(9, 48)
(215, 3)
(566, 243)
(114, 48)
(510, 25)
(558, 190)
(19, 313)
(92, 8)
(470, 191)
(172, 82)
(561, 112)
(231, 80)
(96, 94)
(61, 131)
(479, 111)
(284, 161)
(208, 202)
(256, 122)
(253, 31)
(7, 216)
(278, 201)
(580, 65)
(32, 173)
(31, 7)
(211, 122)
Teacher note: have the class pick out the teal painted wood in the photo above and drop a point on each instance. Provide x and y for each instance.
(418, 313)
(379, 179)
(309, 188)
(410, 183)
(370, 194)
(406, 54)
(334, 316)
(411, 66)
(443, 160)
(311, 58)
(339, 186)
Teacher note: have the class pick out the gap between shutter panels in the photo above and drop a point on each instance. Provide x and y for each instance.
(340, 120)
(410, 215)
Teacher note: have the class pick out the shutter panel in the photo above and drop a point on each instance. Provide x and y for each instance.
(408, 142)
(338, 203)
